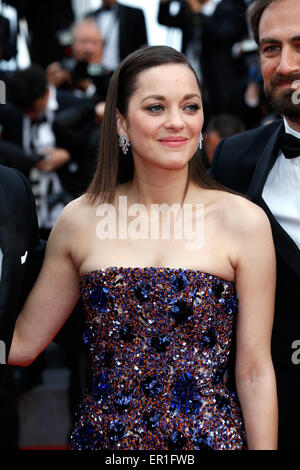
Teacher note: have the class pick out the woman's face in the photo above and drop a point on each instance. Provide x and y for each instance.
(164, 117)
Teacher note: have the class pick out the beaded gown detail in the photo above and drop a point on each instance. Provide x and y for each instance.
(159, 342)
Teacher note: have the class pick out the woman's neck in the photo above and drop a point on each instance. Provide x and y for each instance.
(167, 189)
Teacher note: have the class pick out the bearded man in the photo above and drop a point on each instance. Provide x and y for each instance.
(264, 164)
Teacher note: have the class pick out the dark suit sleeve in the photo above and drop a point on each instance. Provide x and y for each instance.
(226, 24)
(214, 169)
(173, 21)
(141, 33)
(13, 156)
(21, 225)
(36, 246)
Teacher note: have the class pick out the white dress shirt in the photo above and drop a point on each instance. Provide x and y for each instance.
(38, 138)
(108, 22)
(209, 7)
(282, 191)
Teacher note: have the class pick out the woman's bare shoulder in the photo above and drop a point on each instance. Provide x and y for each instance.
(75, 215)
(241, 215)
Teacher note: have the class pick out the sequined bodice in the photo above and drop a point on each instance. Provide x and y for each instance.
(159, 340)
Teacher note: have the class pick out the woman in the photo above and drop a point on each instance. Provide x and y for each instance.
(161, 310)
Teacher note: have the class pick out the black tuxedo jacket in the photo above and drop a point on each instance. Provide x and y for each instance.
(242, 163)
(21, 246)
(132, 32)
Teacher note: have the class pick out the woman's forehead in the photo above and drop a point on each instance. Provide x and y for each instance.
(166, 77)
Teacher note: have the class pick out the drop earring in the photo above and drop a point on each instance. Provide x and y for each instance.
(201, 141)
(124, 143)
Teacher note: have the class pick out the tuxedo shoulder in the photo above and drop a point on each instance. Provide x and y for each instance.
(256, 134)
(13, 180)
(8, 174)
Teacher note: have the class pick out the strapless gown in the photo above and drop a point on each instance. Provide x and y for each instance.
(159, 342)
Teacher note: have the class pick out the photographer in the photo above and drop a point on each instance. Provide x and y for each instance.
(82, 72)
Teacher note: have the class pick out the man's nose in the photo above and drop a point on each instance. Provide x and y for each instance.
(289, 61)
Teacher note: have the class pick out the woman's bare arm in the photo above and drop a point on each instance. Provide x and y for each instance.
(255, 377)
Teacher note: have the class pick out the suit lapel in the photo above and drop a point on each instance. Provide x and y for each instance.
(264, 165)
(10, 249)
(285, 246)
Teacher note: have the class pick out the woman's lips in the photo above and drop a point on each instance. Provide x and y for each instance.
(173, 141)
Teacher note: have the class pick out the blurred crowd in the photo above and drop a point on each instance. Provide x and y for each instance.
(50, 123)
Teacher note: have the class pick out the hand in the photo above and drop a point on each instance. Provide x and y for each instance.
(196, 5)
(99, 110)
(57, 75)
(56, 158)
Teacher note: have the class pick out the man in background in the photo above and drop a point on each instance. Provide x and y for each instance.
(123, 29)
(264, 164)
(21, 255)
(82, 72)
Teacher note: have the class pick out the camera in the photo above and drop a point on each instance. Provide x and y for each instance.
(81, 70)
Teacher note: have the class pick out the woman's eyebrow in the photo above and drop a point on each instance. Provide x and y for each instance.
(162, 98)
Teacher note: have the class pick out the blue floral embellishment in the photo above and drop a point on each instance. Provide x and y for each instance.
(100, 386)
(179, 282)
(160, 343)
(116, 430)
(151, 419)
(219, 376)
(98, 296)
(126, 333)
(218, 289)
(231, 305)
(223, 403)
(142, 291)
(181, 311)
(201, 441)
(151, 386)
(123, 400)
(208, 339)
(176, 440)
(185, 394)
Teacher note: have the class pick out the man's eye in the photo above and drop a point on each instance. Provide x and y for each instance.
(271, 49)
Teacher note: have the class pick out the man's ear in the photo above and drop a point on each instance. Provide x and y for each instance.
(121, 124)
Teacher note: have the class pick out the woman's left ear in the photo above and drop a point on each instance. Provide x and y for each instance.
(121, 124)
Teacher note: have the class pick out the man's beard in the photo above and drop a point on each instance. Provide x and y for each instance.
(286, 102)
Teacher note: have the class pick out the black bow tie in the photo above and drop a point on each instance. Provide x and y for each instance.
(38, 121)
(107, 7)
(290, 145)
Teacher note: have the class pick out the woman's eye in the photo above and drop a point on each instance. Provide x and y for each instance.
(155, 108)
(192, 107)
